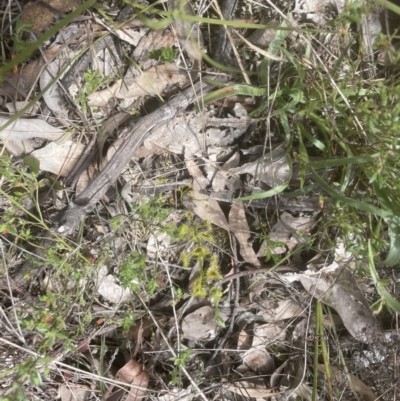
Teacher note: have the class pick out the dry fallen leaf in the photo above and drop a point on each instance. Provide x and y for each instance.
(199, 324)
(19, 84)
(281, 310)
(59, 159)
(110, 290)
(72, 392)
(23, 129)
(159, 80)
(339, 290)
(53, 95)
(272, 168)
(353, 381)
(267, 333)
(239, 226)
(177, 395)
(15, 107)
(206, 208)
(131, 373)
(19, 148)
(86, 178)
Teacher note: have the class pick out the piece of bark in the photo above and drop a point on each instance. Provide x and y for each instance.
(69, 219)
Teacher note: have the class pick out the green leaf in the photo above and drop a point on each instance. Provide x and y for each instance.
(35, 377)
(56, 184)
(366, 207)
(33, 163)
(393, 257)
(389, 300)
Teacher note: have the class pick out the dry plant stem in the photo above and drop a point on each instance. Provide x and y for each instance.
(2, 238)
(69, 219)
(5, 264)
(279, 269)
(171, 286)
(235, 306)
(302, 344)
(171, 349)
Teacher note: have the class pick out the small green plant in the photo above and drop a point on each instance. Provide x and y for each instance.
(179, 362)
(163, 54)
(150, 217)
(132, 269)
(269, 252)
(93, 81)
(21, 188)
(27, 372)
(129, 318)
(20, 44)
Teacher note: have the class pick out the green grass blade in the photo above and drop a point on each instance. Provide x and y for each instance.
(383, 292)
(286, 127)
(223, 67)
(366, 207)
(262, 195)
(273, 49)
(393, 256)
(389, 300)
(389, 5)
(316, 142)
(343, 161)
